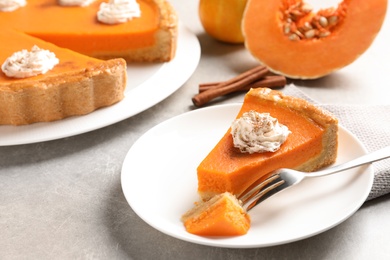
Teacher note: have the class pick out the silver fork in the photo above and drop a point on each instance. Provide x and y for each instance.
(282, 179)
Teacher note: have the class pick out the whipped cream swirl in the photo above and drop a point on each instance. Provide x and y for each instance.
(258, 132)
(11, 5)
(118, 11)
(23, 64)
(75, 2)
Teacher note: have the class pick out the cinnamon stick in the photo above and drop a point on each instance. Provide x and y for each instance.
(266, 82)
(243, 75)
(230, 86)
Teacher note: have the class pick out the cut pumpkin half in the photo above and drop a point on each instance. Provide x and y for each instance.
(291, 39)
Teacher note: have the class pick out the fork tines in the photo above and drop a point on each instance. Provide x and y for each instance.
(261, 191)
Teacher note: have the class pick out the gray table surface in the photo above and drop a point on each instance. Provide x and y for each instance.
(62, 199)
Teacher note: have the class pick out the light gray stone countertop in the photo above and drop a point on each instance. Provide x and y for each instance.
(62, 199)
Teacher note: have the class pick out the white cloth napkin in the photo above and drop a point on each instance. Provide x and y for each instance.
(370, 124)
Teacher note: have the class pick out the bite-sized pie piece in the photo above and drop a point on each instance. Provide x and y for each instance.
(222, 215)
(150, 37)
(77, 85)
(311, 144)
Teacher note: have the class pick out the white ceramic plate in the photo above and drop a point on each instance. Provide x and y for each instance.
(159, 182)
(147, 85)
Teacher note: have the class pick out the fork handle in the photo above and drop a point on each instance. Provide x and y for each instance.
(365, 159)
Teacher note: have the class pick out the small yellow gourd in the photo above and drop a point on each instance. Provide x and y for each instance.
(221, 19)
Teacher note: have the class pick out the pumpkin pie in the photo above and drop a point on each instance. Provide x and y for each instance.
(76, 86)
(91, 72)
(311, 144)
(150, 37)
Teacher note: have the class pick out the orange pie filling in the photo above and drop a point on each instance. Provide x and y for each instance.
(78, 29)
(69, 60)
(220, 216)
(76, 86)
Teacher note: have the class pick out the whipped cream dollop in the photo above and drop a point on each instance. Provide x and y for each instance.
(257, 132)
(24, 63)
(11, 5)
(75, 2)
(118, 11)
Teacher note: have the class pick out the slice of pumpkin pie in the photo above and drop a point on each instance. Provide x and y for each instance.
(75, 84)
(271, 131)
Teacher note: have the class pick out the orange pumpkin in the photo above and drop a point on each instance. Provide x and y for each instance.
(221, 19)
(292, 40)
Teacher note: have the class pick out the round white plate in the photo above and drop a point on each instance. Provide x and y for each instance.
(147, 85)
(160, 184)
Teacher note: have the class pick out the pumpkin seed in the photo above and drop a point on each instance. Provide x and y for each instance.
(307, 26)
(310, 33)
(323, 21)
(306, 8)
(300, 35)
(318, 27)
(294, 37)
(332, 20)
(324, 34)
(287, 28)
(296, 13)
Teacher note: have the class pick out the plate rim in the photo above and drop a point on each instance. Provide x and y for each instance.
(214, 243)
